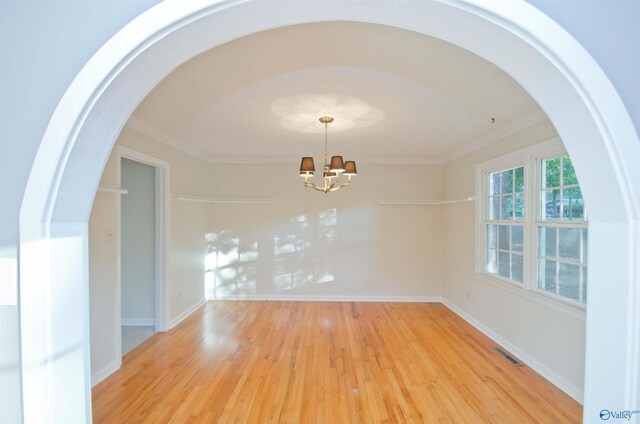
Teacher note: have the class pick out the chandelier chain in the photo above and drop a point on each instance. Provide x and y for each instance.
(326, 149)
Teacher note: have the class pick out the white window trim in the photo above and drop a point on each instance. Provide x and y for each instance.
(530, 158)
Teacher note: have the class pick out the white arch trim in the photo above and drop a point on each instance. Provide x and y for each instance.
(575, 94)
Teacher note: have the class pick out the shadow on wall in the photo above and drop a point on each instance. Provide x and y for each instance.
(230, 265)
(236, 261)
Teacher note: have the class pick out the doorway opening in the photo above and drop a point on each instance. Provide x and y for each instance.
(144, 223)
(138, 253)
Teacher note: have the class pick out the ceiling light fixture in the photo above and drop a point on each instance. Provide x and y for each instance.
(332, 171)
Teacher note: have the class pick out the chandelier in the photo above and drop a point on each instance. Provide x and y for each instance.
(332, 171)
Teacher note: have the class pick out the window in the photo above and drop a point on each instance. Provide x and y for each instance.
(532, 224)
(561, 230)
(504, 228)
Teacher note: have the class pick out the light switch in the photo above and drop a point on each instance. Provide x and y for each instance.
(109, 234)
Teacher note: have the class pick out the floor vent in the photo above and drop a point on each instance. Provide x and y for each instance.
(511, 359)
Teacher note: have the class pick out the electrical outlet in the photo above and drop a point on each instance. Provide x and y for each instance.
(468, 296)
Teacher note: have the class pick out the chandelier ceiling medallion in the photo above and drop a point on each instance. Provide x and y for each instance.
(331, 171)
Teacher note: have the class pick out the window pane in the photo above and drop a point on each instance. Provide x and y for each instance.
(569, 243)
(519, 180)
(572, 203)
(568, 173)
(494, 183)
(561, 202)
(494, 208)
(551, 172)
(491, 264)
(547, 242)
(569, 281)
(516, 267)
(551, 204)
(504, 264)
(547, 275)
(506, 208)
(506, 181)
(585, 245)
(519, 206)
(503, 237)
(491, 236)
(516, 238)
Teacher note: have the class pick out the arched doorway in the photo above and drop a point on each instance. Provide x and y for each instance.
(573, 91)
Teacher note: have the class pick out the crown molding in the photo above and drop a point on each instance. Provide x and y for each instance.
(402, 161)
(426, 201)
(510, 128)
(506, 130)
(147, 129)
(296, 160)
(252, 159)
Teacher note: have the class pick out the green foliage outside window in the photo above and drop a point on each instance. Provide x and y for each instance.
(562, 197)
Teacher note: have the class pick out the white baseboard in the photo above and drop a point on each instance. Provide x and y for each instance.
(561, 383)
(306, 298)
(177, 320)
(138, 322)
(105, 372)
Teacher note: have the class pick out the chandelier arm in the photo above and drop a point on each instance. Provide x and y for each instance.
(338, 180)
(336, 188)
(314, 186)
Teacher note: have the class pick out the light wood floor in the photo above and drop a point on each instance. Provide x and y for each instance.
(325, 362)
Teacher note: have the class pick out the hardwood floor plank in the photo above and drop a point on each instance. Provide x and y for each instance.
(325, 362)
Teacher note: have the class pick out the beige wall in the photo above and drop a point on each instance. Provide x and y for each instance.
(311, 244)
(552, 339)
(189, 224)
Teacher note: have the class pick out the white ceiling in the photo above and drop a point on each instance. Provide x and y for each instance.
(397, 96)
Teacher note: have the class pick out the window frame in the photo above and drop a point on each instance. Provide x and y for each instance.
(539, 222)
(531, 159)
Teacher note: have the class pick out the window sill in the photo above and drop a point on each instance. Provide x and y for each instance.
(567, 307)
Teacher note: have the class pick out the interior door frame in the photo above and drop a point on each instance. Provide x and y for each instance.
(162, 207)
